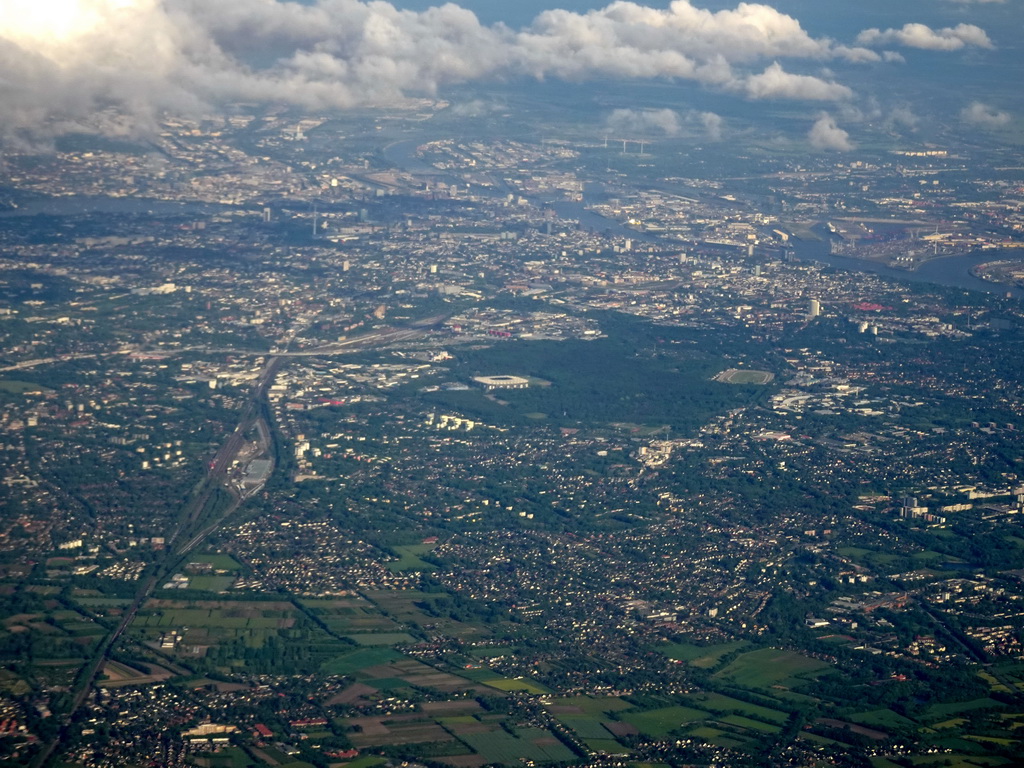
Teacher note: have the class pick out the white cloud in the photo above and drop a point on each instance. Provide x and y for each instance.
(926, 38)
(983, 116)
(713, 125)
(904, 117)
(825, 134)
(475, 108)
(776, 83)
(644, 122)
(68, 59)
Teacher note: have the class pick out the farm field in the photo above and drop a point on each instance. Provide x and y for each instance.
(528, 744)
(356, 660)
(702, 657)
(719, 737)
(882, 718)
(769, 667)
(748, 724)
(381, 638)
(589, 705)
(659, 723)
(222, 635)
(721, 704)
(467, 739)
(944, 711)
(405, 608)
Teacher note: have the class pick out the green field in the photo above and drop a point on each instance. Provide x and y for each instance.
(959, 761)
(586, 727)
(352, 617)
(210, 583)
(528, 744)
(591, 705)
(659, 723)
(701, 656)
(770, 667)
(365, 761)
(718, 737)
(504, 684)
(405, 607)
(819, 739)
(410, 558)
(869, 556)
(882, 718)
(15, 387)
(382, 638)
(232, 757)
(945, 711)
(355, 661)
(753, 725)
(721, 704)
(608, 746)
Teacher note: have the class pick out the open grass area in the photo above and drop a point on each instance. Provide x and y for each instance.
(772, 667)
(659, 723)
(607, 746)
(357, 660)
(528, 744)
(753, 725)
(701, 656)
(586, 727)
(719, 737)
(382, 638)
(869, 556)
(366, 761)
(817, 739)
(993, 740)
(882, 718)
(953, 760)
(352, 617)
(945, 711)
(15, 387)
(210, 583)
(993, 683)
(232, 757)
(507, 685)
(721, 704)
(405, 607)
(410, 558)
(592, 705)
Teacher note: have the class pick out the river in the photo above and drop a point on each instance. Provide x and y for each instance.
(951, 271)
(89, 205)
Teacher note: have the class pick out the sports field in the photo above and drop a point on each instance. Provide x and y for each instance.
(737, 376)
